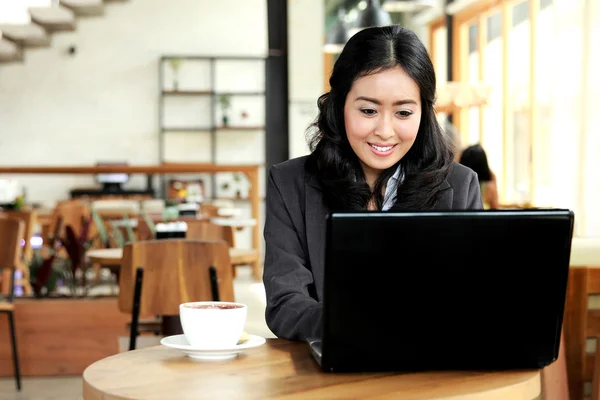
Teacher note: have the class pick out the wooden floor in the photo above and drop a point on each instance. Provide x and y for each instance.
(247, 291)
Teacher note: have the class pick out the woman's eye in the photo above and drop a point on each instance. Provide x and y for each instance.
(368, 111)
(404, 113)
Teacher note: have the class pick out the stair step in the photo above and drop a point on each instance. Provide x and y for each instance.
(84, 8)
(53, 19)
(25, 35)
(9, 51)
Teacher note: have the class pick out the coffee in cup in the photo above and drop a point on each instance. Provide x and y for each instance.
(213, 324)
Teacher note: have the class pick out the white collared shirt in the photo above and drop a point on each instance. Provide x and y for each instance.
(389, 198)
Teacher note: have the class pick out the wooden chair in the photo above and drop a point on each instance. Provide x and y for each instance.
(596, 372)
(29, 219)
(158, 275)
(72, 213)
(582, 317)
(580, 324)
(114, 209)
(209, 210)
(205, 230)
(11, 234)
(153, 206)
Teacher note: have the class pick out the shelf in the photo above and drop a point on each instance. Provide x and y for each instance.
(187, 92)
(208, 93)
(216, 128)
(240, 128)
(234, 198)
(214, 57)
(190, 129)
(240, 93)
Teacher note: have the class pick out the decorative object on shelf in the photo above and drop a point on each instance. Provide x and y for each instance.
(226, 187)
(227, 184)
(182, 191)
(237, 178)
(175, 64)
(225, 102)
(233, 186)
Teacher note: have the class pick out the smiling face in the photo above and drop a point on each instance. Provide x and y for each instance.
(382, 114)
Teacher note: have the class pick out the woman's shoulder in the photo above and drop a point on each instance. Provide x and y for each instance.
(460, 175)
(293, 167)
(288, 183)
(292, 172)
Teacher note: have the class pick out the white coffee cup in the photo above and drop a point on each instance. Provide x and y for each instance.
(213, 324)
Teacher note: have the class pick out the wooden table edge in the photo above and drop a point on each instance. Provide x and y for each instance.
(529, 387)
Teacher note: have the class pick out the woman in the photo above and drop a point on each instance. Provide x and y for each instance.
(475, 158)
(376, 145)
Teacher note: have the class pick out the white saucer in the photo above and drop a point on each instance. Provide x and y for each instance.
(179, 342)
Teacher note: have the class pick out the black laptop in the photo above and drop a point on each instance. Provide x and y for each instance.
(474, 290)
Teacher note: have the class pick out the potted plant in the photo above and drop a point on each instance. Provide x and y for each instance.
(175, 63)
(225, 102)
(62, 260)
(237, 178)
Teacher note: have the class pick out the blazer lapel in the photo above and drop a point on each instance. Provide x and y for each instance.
(316, 225)
(445, 201)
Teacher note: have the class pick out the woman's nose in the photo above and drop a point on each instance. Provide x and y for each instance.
(385, 127)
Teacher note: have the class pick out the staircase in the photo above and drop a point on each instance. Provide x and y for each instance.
(58, 16)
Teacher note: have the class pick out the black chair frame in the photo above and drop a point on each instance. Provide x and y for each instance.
(137, 296)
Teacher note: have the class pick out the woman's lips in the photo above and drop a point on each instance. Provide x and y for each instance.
(382, 149)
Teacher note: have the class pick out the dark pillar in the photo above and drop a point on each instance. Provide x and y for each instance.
(449, 30)
(277, 119)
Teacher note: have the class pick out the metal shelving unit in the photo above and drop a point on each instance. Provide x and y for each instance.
(211, 92)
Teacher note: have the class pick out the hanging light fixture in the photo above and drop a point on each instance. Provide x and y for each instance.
(373, 15)
(408, 5)
(338, 35)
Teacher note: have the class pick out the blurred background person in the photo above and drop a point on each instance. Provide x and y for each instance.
(475, 158)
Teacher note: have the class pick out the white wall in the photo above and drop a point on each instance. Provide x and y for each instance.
(102, 103)
(305, 66)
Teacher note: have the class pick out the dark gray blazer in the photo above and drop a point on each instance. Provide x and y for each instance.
(295, 243)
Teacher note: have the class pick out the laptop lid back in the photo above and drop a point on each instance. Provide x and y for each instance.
(445, 290)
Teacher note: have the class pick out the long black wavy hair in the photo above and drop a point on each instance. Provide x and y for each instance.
(332, 160)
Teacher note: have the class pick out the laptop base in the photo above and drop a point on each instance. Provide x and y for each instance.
(316, 349)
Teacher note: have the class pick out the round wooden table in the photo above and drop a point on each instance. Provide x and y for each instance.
(282, 369)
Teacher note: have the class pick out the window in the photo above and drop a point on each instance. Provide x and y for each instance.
(539, 126)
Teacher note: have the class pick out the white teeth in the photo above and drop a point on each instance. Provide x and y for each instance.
(387, 148)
